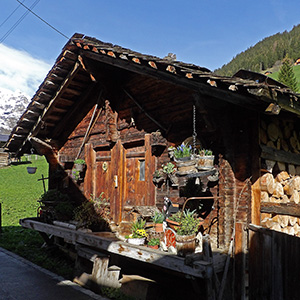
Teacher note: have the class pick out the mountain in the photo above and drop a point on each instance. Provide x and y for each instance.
(12, 106)
(266, 53)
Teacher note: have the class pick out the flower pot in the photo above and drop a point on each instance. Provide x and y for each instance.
(186, 167)
(153, 247)
(136, 241)
(185, 244)
(173, 224)
(205, 162)
(79, 167)
(31, 170)
(159, 227)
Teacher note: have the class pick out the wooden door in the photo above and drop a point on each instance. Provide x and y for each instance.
(124, 174)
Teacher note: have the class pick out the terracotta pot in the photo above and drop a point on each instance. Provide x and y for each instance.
(185, 244)
(153, 247)
(173, 224)
(159, 227)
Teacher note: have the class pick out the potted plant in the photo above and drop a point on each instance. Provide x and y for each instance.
(183, 152)
(186, 233)
(154, 243)
(169, 170)
(79, 164)
(205, 159)
(174, 220)
(183, 157)
(138, 233)
(158, 220)
(158, 176)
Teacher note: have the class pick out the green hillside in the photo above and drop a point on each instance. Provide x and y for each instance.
(296, 69)
(265, 54)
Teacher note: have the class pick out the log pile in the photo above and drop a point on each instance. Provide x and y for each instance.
(281, 135)
(284, 188)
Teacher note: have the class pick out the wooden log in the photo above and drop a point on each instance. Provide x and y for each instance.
(272, 132)
(289, 230)
(285, 199)
(291, 169)
(292, 220)
(264, 196)
(267, 222)
(281, 166)
(267, 183)
(284, 145)
(263, 136)
(283, 220)
(295, 197)
(296, 228)
(289, 188)
(282, 177)
(287, 132)
(276, 227)
(278, 190)
(274, 199)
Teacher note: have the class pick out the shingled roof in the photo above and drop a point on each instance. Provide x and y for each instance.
(70, 79)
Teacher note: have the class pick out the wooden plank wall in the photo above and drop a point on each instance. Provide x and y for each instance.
(274, 264)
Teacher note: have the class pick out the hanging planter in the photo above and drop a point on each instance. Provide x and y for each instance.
(205, 160)
(186, 167)
(31, 170)
(79, 165)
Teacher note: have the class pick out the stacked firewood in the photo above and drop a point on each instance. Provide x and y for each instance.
(281, 135)
(284, 188)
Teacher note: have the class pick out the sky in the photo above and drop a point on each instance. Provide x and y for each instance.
(206, 33)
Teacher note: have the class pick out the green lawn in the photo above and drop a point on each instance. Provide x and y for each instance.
(19, 192)
(297, 75)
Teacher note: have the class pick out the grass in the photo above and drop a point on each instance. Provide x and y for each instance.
(19, 192)
(296, 69)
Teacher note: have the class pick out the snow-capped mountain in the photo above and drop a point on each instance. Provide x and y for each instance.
(12, 106)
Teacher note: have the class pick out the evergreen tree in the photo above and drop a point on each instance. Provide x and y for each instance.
(286, 74)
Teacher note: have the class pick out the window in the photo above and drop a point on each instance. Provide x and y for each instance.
(142, 170)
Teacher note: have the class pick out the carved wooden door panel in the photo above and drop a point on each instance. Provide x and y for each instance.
(124, 174)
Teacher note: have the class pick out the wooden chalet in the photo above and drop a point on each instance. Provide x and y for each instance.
(120, 111)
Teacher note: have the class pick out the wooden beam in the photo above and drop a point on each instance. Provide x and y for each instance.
(199, 86)
(290, 209)
(279, 155)
(202, 269)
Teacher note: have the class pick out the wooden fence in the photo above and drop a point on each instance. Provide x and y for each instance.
(274, 265)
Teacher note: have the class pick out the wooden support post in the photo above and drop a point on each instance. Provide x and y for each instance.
(0, 219)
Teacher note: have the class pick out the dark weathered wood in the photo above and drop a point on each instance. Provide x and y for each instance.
(201, 269)
(290, 209)
(280, 155)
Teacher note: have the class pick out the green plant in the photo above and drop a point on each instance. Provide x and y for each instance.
(54, 195)
(176, 217)
(92, 212)
(64, 210)
(205, 152)
(183, 151)
(154, 242)
(169, 168)
(189, 223)
(79, 161)
(138, 229)
(158, 217)
(157, 174)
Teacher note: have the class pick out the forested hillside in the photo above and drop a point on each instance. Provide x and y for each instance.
(265, 53)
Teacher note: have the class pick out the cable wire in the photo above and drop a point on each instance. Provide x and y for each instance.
(10, 15)
(5, 36)
(28, 9)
